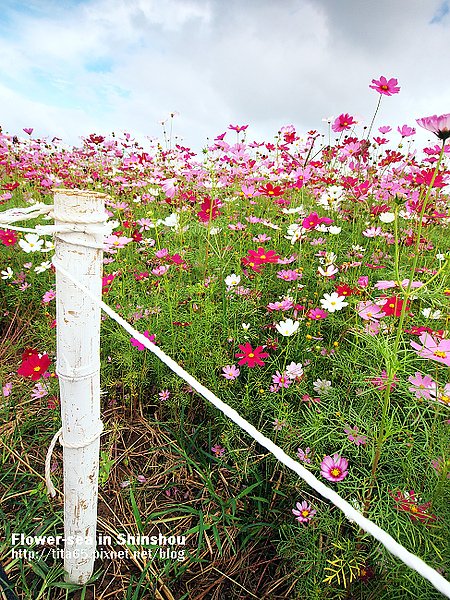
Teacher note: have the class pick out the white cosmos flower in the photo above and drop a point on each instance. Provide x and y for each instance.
(245, 326)
(387, 217)
(232, 279)
(44, 266)
(428, 314)
(334, 230)
(287, 328)
(31, 243)
(333, 302)
(322, 386)
(329, 271)
(8, 274)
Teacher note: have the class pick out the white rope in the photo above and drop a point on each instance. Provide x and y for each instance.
(412, 561)
(80, 444)
(25, 214)
(91, 224)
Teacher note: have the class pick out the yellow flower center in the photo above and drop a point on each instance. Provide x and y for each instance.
(37, 369)
(251, 355)
(440, 354)
(305, 513)
(335, 472)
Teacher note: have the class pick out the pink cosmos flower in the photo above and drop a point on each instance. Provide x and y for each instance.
(217, 450)
(303, 455)
(363, 281)
(369, 311)
(343, 122)
(354, 436)
(381, 382)
(289, 275)
(422, 386)
(406, 131)
(385, 87)
(439, 125)
(303, 512)
(164, 395)
(334, 468)
(151, 338)
(238, 128)
(6, 389)
(317, 314)
(114, 242)
(48, 296)
(432, 349)
(281, 380)
(385, 129)
(230, 372)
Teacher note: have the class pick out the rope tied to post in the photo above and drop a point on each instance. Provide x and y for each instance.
(83, 443)
(91, 224)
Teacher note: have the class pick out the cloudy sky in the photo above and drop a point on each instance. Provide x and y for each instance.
(72, 67)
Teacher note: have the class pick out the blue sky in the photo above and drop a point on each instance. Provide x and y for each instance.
(72, 67)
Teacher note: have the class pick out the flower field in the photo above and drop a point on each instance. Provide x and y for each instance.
(305, 281)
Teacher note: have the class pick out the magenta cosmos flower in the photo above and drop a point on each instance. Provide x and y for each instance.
(385, 86)
(439, 125)
(303, 512)
(334, 468)
(438, 351)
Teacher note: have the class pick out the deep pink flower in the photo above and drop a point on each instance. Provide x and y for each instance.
(385, 87)
(343, 122)
(303, 512)
(313, 220)
(334, 468)
(317, 314)
(250, 356)
(8, 237)
(407, 502)
(238, 128)
(439, 125)
(438, 351)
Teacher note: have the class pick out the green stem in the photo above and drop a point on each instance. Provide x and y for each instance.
(399, 335)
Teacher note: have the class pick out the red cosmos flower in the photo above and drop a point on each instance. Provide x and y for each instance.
(209, 210)
(385, 87)
(393, 306)
(270, 190)
(261, 256)
(346, 290)
(10, 186)
(34, 366)
(343, 122)
(313, 220)
(407, 502)
(8, 237)
(29, 352)
(250, 356)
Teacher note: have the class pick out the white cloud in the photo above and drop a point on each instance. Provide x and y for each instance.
(100, 65)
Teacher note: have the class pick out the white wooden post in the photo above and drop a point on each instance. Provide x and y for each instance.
(78, 369)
